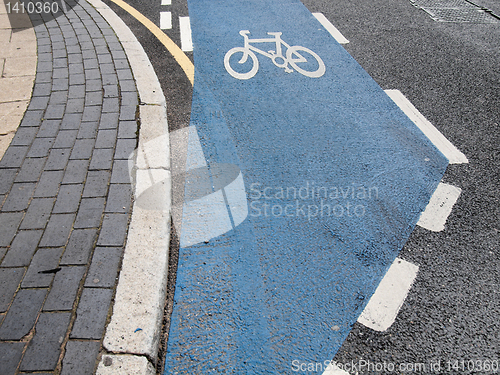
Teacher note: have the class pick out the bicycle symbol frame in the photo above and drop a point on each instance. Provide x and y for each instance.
(294, 56)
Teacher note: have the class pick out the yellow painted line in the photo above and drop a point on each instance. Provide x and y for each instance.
(174, 50)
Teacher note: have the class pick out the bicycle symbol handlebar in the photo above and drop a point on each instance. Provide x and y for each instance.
(295, 55)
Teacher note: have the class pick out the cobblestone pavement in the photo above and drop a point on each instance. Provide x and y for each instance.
(65, 198)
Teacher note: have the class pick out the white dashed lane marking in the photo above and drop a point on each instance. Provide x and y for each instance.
(165, 20)
(186, 41)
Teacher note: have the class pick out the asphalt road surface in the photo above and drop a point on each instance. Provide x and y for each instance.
(450, 71)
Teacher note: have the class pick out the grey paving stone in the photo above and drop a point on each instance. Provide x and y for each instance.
(91, 113)
(77, 79)
(38, 213)
(45, 259)
(96, 184)
(80, 246)
(123, 64)
(3, 250)
(60, 62)
(55, 111)
(119, 198)
(128, 113)
(39, 102)
(90, 213)
(75, 105)
(129, 99)
(19, 197)
(31, 170)
(58, 159)
(71, 121)
(48, 185)
(65, 139)
(60, 73)
(40, 147)
(57, 231)
(43, 77)
(68, 198)
(127, 129)
(93, 85)
(82, 149)
(76, 70)
(102, 159)
(105, 58)
(32, 118)
(14, 156)
(120, 172)
(124, 74)
(42, 89)
(75, 172)
(44, 66)
(10, 355)
(7, 177)
(22, 315)
(92, 73)
(59, 97)
(88, 130)
(9, 282)
(22, 249)
(113, 230)
(24, 136)
(107, 68)
(75, 59)
(91, 63)
(93, 98)
(110, 91)
(103, 270)
(49, 128)
(44, 349)
(76, 92)
(64, 289)
(9, 222)
(118, 54)
(91, 313)
(109, 121)
(109, 79)
(110, 105)
(60, 84)
(80, 357)
(124, 148)
(106, 138)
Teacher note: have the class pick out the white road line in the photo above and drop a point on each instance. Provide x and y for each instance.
(165, 20)
(330, 28)
(383, 307)
(446, 147)
(186, 41)
(166, 2)
(439, 208)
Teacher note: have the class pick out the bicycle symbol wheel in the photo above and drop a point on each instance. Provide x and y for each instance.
(245, 53)
(295, 56)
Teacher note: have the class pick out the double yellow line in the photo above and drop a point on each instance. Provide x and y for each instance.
(174, 50)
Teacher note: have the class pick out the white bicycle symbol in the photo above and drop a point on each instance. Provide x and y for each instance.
(294, 56)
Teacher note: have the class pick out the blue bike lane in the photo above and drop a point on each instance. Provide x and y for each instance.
(300, 191)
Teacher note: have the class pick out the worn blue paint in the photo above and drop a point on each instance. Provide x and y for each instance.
(287, 287)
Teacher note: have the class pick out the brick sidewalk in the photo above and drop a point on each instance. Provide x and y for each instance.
(65, 198)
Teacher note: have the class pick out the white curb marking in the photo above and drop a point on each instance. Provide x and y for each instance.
(446, 147)
(186, 40)
(330, 28)
(166, 2)
(439, 208)
(383, 307)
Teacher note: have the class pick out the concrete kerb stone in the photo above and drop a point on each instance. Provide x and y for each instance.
(124, 365)
(134, 330)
